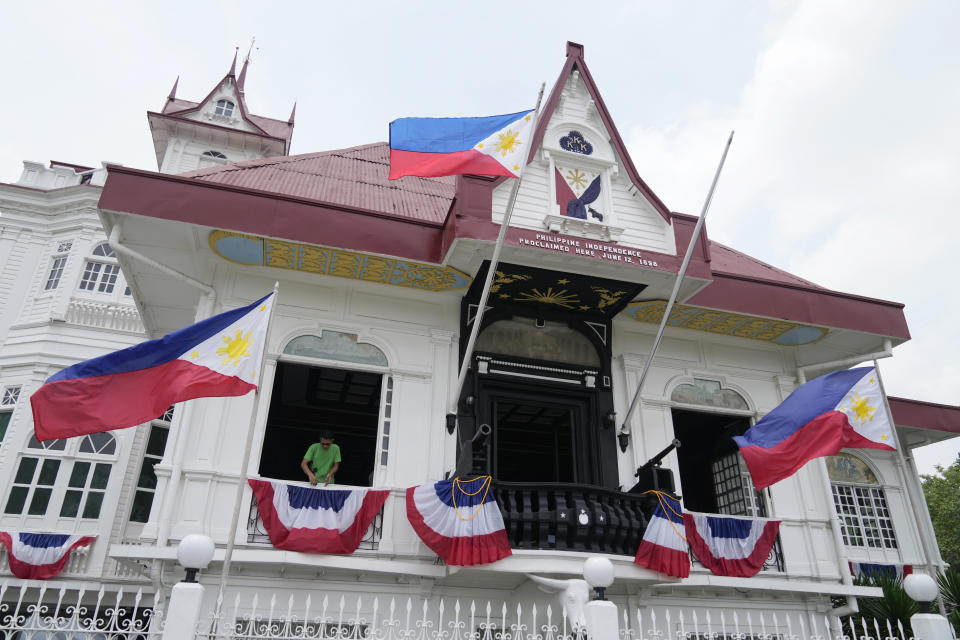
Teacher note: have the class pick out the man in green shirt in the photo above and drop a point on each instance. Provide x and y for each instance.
(322, 459)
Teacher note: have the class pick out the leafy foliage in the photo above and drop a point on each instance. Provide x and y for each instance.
(894, 607)
(942, 492)
(949, 585)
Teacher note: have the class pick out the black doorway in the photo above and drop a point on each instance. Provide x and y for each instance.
(305, 401)
(541, 434)
(711, 480)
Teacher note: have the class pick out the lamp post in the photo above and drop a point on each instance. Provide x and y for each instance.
(600, 613)
(183, 611)
(926, 626)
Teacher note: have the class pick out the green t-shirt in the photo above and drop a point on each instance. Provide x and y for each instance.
(321, 460)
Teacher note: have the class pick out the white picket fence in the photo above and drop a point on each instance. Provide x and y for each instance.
(42, 613)
(373, 619)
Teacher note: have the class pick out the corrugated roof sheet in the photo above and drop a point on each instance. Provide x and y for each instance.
(354, 177)
(727, 260)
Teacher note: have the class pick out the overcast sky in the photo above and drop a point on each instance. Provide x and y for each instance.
(845, 169)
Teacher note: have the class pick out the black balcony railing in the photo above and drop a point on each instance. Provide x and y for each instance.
(573, 517)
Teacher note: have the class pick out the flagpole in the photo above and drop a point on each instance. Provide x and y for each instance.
(245, 460)
(911, 497)
(676, 287)
(494, 261)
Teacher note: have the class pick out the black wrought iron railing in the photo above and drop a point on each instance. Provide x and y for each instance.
(573, 517)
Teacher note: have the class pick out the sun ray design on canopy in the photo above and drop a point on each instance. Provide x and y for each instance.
(237, 347)
(560, 298)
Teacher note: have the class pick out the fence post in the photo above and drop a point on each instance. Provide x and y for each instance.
(183, 609)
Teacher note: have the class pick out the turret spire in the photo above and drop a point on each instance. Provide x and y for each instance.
(292, 114)
(173, 91)
(246, 61)
(233, 65)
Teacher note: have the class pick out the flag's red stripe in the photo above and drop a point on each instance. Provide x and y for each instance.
(27, 571)
(460, 551)
(432, 165)
(655, 557)
(825, 435)
(67, 408)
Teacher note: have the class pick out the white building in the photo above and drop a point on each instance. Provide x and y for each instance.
(379, 285)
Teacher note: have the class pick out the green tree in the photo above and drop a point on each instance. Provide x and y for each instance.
(942, 492)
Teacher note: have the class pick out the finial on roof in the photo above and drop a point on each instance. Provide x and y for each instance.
(233, 65)
(173, 91)
(292, 114)
(574, 49)
(243, 71)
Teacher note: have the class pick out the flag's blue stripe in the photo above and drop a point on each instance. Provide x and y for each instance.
(807, 402)
(444, 490)
(43, 540)
(154, 352)
(446, 135)
(309, 498)
(729, 527)
(673, 514)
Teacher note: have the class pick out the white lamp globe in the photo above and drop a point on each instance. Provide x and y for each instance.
(920, 587)
(195, 551)
(598, 572)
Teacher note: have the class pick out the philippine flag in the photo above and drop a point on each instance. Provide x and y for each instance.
(39, 556)
(219, 356)
(316, 520)
(841, 409)
(730, 546)
(459, 520)
(663, 547)
(489, 146)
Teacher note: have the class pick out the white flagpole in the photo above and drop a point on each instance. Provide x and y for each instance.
(676, 287)
(912, 498)
(494, 261)
(245, 461)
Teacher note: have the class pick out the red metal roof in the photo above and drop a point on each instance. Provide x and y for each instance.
(354, 177)
(727, 260)
(925, 415)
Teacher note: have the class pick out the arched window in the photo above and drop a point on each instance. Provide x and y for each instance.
(79, 490)
(214, 154)
(224, 108)
(861, 503)
(354, 400)
(101, 271)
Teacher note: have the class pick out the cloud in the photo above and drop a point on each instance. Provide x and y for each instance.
(843, 170)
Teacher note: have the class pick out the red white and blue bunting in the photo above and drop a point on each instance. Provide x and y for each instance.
(459, 520)
(316, 520)
(664, 547)
(870, 570)
(39, 556)
(730, 546)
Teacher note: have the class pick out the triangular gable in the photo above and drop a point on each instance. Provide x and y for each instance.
(575, 61)
(240, 101)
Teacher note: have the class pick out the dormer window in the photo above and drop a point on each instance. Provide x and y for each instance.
(224, 108)
(214, 154)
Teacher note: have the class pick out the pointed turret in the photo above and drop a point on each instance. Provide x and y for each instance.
(293, 114)
(218, 128)
(173, 91)
(243, 74)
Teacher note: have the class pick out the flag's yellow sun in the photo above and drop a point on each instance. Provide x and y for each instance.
(861, 408)
(507, 142)
(237, 347)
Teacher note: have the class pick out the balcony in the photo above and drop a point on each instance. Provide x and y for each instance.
(104, 315)
(559, 517)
